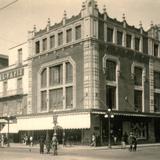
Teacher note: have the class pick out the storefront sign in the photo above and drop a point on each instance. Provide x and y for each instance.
(11, 74)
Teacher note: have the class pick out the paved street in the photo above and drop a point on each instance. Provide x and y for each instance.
(74, 153)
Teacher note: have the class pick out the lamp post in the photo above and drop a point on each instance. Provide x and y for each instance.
(109, 115)
(55, 116)
(8, 142)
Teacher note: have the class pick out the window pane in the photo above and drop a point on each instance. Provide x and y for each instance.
(109, 34)
(5, 87)
(138, 100)
(60, 38)
(110, 71)
(111, 97)
(44, 44)
(138, 76)
(43, 101)
(69, 35)
(19, 85)
(69, 97)
(156, 50)
(128, 41)
(55, 99)
(56, 75)
(20, 56)
(78, 32)
(157, 80)
(44, 78)
(69, 73)
(119, 37)
(52, 41)
(37, 47)
(157, 102)
(137, 41)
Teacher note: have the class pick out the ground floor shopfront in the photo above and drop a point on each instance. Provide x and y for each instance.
(78, 127)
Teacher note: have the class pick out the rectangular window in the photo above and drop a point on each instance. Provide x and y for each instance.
(109, 35)
(37, 47)
(5, 87)
(5, 109)
(19, 85)
(119, 37)
(56, 75)
(55, 99)
(128, 40)
(43, 100)
(157, 80)
(156, 50)
(69, 73)
(19, 107)
(69, 35)
(138, 76)
(137, 41)
(111, 97)
(69, 97)
(145, 45)
(60, 38)
(52, 42)
(156, 102)
(78, 32)
(20, 56)
(44, 78)
(110, 71)
(138, 100)
(44, 44)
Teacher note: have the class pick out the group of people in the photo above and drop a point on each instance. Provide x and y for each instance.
(53, 144)
(131, 140)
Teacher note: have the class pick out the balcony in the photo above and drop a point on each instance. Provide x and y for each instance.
(11, 93)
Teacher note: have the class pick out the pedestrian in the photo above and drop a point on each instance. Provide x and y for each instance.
(93, 140)
(134, 143)
(41, 143)
(48, 144)
(55, 144)
(130, 141)
(30, 143)
(64, 139)
(2, 140)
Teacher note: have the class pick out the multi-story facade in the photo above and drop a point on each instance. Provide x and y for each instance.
(86, 64)
(14, 85)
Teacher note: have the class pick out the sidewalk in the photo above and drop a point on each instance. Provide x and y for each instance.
(78, 147)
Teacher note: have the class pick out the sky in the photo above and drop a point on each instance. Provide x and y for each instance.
(20, 17)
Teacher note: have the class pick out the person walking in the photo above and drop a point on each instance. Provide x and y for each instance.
(41, 143)
(134, 143)
(130, 141)
(2, 140)
(93, 140)
(55, 144)
(48, 144)
(30, 143)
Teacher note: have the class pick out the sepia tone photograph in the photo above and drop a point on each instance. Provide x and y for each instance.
(79, 80)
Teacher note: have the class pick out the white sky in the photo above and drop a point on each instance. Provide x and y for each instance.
(17, 19)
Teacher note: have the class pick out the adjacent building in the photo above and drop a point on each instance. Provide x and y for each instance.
(75, 70)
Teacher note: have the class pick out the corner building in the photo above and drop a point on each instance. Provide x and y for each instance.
(85, 65)
(90, 62)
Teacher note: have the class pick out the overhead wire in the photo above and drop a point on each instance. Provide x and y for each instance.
(7, 5)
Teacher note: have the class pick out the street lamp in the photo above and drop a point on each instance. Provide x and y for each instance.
(109, 115)
(55, 116)
(8, 142)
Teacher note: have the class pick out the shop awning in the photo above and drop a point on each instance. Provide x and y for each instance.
(13, 128)
(68, 121)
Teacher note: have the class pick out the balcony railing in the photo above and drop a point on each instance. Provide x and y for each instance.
(10, 93)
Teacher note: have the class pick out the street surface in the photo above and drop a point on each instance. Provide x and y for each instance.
(73, 153)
